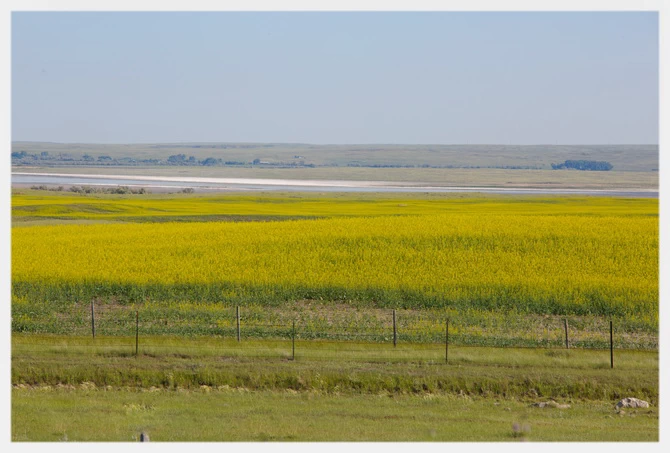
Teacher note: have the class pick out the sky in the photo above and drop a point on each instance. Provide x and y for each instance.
(336, 78)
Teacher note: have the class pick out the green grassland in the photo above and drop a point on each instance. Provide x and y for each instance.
(174, 363)
(230, 415)
(176, 387)
(333, 321)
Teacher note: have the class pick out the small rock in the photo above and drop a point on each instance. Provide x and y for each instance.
(144, 437)
(631, 402)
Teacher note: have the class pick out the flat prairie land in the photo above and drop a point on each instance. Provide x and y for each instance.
(52, 415)
(438, 177)
(506, 271)
(178, 389)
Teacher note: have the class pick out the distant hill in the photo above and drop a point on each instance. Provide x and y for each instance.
(622, 157)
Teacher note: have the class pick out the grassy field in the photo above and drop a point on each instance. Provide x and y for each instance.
(73, 415)
(333, 367)
(176, 387)
(328, 320)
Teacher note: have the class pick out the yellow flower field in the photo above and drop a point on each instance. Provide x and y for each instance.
(536, 263)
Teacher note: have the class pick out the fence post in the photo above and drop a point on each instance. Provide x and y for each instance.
(565, 325)
(238, 323)
(611, 347)
(446, 343)
(137, 332)
(92, 319)
(395, 331)
(293, 342)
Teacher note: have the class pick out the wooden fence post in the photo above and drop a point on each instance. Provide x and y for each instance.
(611, 347)
(92, 319)
(395, 331)
(137, 332)
(238, 323)
(293, 342)
(565, 325)
(446, 343)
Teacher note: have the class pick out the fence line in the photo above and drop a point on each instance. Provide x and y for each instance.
(293, 349)
(105, 322)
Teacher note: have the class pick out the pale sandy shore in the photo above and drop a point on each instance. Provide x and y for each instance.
(233, 181)
(26, 179)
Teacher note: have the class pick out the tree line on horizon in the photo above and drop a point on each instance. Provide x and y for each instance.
(589, 165)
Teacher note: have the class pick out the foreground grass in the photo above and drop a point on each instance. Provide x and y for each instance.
(332, 367)
(213, 389)
(47, 414)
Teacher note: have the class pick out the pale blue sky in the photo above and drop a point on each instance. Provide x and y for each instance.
(450, 78)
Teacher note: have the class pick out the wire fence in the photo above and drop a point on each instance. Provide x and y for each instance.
(115, 330)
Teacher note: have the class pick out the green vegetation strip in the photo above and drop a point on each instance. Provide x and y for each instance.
(325, 320)
(66, 414)
(180, 389)
(334, 368)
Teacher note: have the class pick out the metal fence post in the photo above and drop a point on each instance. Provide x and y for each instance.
(446, 343)
(293, 342)
(238, 323)
(137, 332)
(395, 331)
(611, 347)
(92, 319)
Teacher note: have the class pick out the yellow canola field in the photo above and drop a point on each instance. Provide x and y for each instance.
(541, 263)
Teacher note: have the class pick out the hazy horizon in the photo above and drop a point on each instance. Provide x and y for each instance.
(336, 144)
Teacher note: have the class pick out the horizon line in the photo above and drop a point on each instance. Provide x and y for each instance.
(333, 144)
